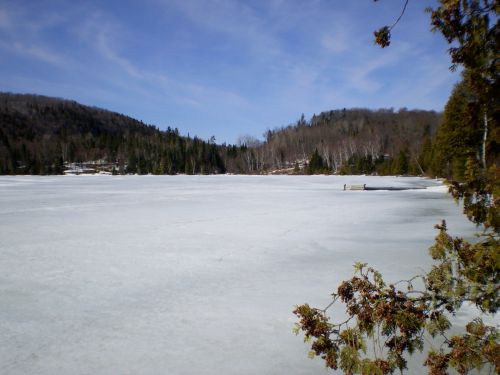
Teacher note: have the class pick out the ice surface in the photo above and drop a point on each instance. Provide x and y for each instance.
(192, 274)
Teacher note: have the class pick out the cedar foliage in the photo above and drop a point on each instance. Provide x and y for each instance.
(393, 319)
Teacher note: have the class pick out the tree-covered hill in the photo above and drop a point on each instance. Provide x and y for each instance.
(39, 135)
(42, 135)
(351, 141)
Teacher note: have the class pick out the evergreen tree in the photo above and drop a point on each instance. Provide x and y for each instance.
(459, 136)
(395, 317)
(316, 164)
(132, 164)
(400, 164)
(58, 166)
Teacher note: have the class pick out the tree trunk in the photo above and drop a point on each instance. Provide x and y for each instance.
(485, 135)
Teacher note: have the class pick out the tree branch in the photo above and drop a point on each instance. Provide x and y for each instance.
(400, 16)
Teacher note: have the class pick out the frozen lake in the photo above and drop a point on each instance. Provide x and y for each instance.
(192, 274)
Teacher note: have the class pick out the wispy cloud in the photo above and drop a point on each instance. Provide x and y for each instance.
(107, 38)
(37, 52)
(362, 75)
(220, 64)
(22, 36)
(334, 43)
(101, 33)
(234, 23)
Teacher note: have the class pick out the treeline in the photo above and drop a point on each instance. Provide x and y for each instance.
(41, 135)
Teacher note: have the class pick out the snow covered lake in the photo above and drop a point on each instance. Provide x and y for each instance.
(193, 274)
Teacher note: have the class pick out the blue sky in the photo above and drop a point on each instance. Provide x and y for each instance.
(223, 67)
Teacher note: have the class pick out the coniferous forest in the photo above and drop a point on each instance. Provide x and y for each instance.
(41, 135)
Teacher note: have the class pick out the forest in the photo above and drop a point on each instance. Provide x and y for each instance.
(42, 135)
(349, 141)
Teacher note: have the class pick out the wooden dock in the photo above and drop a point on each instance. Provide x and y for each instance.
(389, 188)
(354, 187)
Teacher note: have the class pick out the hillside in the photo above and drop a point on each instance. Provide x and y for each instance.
(42, 135)
(39, 135)
(350, 141)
